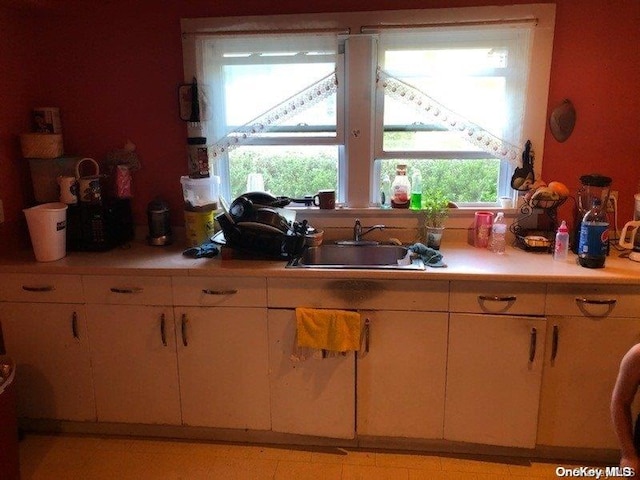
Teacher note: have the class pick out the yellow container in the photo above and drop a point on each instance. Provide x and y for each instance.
(199, 226)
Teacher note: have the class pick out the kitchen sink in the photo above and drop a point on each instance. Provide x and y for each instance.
(375, 257)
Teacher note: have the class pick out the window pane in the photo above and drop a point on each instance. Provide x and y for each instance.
(252, 90)
(293, 171)
(481, 100)
(462, 181)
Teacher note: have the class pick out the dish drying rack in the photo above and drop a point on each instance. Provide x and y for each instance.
(536, 240)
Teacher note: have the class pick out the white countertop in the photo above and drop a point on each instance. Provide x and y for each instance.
(464, 263)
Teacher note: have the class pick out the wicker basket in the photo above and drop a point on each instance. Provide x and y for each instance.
(41, 145)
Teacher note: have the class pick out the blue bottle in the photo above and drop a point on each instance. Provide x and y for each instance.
(594, 237)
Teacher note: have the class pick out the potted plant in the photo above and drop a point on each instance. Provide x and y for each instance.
(435, 208)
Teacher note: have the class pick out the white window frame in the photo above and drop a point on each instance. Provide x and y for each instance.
(218, 98)
(359, 180)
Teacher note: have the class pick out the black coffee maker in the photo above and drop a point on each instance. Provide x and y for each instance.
(159, 223)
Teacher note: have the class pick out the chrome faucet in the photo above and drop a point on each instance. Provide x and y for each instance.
(358, 233)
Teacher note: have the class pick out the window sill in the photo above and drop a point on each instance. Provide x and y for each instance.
(344, 216)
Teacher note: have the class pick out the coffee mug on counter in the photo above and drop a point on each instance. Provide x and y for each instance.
(325, 199)
(89, 188)
(482, 229)
(68, 190)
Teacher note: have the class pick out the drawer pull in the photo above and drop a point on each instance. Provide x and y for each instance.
(74, 325)
(596, 301)
(366, 335)
(183, 329)
(554, 343)
(208, 291)
(497, 298)
(126, 289)
(42, 288)
(532, 344)
(163, 333)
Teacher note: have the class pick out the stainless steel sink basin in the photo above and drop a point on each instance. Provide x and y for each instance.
(356, 256)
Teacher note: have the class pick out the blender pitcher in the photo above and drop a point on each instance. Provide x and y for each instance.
(592, 186)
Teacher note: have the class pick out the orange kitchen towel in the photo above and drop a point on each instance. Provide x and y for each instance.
(335, 330)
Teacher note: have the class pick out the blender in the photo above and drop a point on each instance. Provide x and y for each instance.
(593, 186)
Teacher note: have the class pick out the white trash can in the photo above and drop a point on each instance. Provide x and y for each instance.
(48, 230)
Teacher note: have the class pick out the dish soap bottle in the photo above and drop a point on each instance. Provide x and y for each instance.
(416, 191)
(400, 188)
(498, 241)
(561, 247)
(385, 192)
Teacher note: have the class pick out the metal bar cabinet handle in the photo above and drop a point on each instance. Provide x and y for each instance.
(208, 291)
(183, 329)
(532, 344)
(74, 325)
(163, 333)
(554, 343)
(39, 288)
(497, 298)
(596, 301)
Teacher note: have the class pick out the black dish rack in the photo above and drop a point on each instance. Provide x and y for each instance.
(262, 241)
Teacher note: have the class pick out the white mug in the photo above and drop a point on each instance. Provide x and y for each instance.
(89, 188)
(68, 189)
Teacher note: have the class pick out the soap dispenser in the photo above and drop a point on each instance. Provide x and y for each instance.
(400, 188)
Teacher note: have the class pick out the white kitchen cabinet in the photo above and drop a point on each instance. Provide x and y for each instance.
(315, 396)
(498, 297)
(134, 363)
(223, 360)
(401, 374)
(366, 294)
(581, 366)
(591, 327)
(41, 288)
(50, 345)
(494, 371)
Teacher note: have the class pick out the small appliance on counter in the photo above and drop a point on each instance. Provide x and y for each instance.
(159, 223)
(99, 227)
(634, 240)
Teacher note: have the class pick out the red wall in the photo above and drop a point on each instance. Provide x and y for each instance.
(17, 85)
(113, 68)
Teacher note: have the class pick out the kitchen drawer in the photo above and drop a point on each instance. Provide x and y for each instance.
(222, 291)
(23, 287)
(594, 300)
(413, 295)
(498, 297)
(127, 290)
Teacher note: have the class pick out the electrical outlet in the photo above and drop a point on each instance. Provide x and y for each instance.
(613, 201)
(1, 212)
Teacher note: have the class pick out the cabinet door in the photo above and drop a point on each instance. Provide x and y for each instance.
(494, 373)
(50, 346)
(581, 366)
(315, 396)
(223, 358)
(134, 364)
(401, 376)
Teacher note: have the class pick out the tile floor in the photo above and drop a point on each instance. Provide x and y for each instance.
(72, 457)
